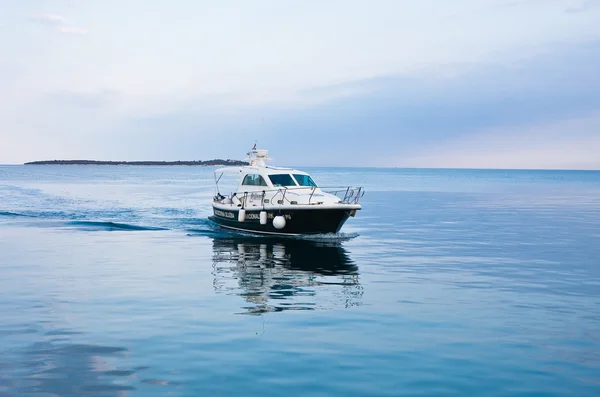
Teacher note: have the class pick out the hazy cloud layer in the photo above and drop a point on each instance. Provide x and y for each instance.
(481, 83)
(60, 23)
(567, 144)
(71, 30)
(51, 19)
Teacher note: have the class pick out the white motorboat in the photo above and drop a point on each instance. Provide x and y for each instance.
(283, 201)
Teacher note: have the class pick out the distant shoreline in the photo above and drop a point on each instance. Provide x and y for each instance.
(98, 162)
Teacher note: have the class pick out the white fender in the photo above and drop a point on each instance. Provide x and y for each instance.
(242, 215)
(263, 217)
(279, 222)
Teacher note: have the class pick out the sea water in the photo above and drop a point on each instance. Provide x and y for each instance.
(447, 283)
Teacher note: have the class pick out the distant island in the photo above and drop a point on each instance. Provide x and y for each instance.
(95, 162)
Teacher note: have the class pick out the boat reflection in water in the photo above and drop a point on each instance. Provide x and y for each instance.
(276, 274)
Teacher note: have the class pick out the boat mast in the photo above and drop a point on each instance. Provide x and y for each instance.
(260, 156)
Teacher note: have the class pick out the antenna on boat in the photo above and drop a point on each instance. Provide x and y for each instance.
(260, 156)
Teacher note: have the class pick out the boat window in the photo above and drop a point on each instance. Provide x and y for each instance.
(282, 180)
(304, 180)
(254, 180)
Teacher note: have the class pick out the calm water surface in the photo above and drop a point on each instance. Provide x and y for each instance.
(447, 283)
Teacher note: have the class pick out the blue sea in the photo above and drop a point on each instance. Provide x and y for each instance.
(447, 283)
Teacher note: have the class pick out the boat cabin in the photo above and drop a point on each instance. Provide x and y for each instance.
(275, 178)
(259, 177)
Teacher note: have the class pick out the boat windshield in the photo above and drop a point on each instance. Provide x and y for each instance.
(304, 180)
(254, 180)
(282, 180)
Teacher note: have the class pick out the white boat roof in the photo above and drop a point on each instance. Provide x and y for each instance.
(267, 170)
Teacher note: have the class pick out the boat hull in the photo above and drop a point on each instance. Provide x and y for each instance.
(297, 221)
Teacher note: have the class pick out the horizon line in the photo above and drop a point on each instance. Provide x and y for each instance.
(305, 166)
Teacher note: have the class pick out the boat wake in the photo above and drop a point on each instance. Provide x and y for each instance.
(92, 225)
(326, 237)
(62, 220)
(10, 214)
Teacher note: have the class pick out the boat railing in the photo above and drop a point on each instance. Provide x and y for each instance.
(347, 194)
(351, 195)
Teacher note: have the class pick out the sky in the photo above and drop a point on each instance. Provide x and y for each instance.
(383, 83)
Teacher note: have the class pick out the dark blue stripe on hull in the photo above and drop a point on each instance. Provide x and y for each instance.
(297, 221)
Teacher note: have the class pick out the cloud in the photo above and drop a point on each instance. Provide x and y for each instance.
(61, 24)
(393, 81)
(423, 120)
(537, 112)
(73, 31)
(53, 19)
(568, 6)
(582, 5)
(568, 144)
(80, 100)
